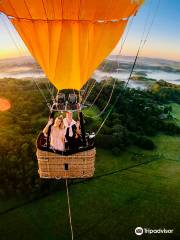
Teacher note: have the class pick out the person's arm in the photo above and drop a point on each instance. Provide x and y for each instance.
(78, 110)
(83, 133)
(78, 131)
(52, 113)
(63, 139)
(45, 130)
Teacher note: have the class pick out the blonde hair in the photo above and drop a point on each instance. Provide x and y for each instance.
(56, 122)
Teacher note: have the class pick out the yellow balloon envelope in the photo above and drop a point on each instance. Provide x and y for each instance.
(69, 38)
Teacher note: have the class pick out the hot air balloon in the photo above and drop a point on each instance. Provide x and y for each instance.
(69, 39)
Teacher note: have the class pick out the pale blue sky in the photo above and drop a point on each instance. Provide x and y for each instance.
(164, 37)
(163, 40)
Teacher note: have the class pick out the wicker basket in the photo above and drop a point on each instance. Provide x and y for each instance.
(78, 165)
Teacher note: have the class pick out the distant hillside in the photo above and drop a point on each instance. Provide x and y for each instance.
(17, 61)
(114, 63)
(22, 67)
(146, 60)
(19, 67)
(143, 62)
(164, 84)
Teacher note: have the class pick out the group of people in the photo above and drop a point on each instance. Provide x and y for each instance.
(64, 133)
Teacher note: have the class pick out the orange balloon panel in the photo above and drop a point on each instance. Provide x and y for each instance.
(70, 9)
(69, 51)
(69, 38)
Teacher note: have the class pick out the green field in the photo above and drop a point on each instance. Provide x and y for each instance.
(176, 110)
(138, 188)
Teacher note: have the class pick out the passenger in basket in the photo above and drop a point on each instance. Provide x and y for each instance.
(57, 133)
(70, 131)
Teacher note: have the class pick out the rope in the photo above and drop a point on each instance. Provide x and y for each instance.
(125, 37)
(151, 24)
(117, 98)
(141, 45)
(85, 89)
(89, 91)
(142, 42)
(118, 55)
(21, 53)
(69, 209)
(107, 104)
(42, 93)
(132, 69)
(10, 34)
(98, 95)
(103, 122)
(51, 89)
(123, 42)
(82, 181)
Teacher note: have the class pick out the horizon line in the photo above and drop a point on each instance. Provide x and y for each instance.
(114, 54)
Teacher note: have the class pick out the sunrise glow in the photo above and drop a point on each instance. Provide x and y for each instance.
(4, 104)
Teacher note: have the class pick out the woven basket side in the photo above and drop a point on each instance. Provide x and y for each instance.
(80, 165)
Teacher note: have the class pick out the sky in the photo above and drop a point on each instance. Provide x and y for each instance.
(163, 40)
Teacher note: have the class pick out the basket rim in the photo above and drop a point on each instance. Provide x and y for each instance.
(61, 153)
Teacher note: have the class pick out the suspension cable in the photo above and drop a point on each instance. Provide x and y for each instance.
(51, 89)
(85, 90)
(89, 91)
(48, 88)
(141, 45)
(107, 104)
(21, 53)
(125, 37)
(103, 85)
(151, 24)
(105, 64)
(123, 42)
(10, 34)
(142, 42)
(42, 93)
(118, 55)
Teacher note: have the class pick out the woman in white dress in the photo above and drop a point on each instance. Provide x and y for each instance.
(57, 135)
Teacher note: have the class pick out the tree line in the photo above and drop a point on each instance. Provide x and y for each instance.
(136, 117)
